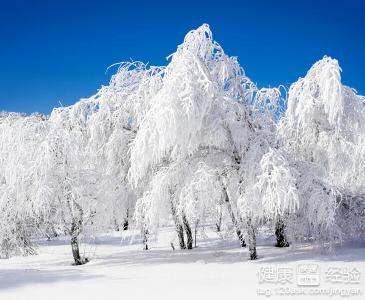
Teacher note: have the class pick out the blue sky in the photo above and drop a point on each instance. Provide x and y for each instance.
(55, 52)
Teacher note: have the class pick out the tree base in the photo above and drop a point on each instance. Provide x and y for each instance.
(81, 262)
(253, 256)
(282, 244)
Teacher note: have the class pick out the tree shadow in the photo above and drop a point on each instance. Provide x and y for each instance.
(347, 252)
(227, 254)
(14, 278)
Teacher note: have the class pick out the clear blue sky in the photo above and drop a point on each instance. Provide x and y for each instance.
(58, 51)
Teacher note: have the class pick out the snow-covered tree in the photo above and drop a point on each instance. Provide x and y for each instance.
(120, 107)
(77, 194)
(20, 184)
(323, 129)
(207, 113)
(186, 122)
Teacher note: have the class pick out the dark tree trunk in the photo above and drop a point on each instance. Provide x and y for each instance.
(75, 231)
(281, 240)
(126, 221)
(76, 227)
(180, 234)
(145, 239)
(76, 251)
(125, 224)
(218, 225)
(251, 240)
(179, 227)
(188, 231)
(234, 219)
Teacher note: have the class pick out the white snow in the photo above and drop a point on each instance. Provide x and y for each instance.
(119, 269)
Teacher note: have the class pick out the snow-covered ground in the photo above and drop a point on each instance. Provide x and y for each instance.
(216, 269)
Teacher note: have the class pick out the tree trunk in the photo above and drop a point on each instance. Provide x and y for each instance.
(76, 251)
(76, 228)
(251, 240)
(281, 240)
(125, 224)
(126, 221)
(75, 231)
(218, 225)
(195, 232)
(179, 227)
(234, 219)
(180, 234)
(188, 231)
(145, 239)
